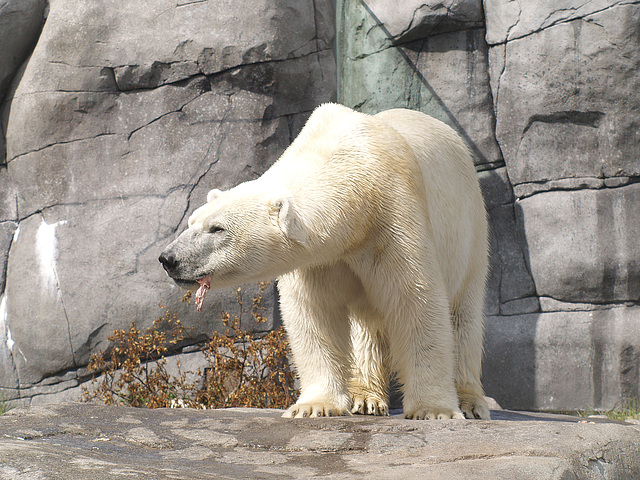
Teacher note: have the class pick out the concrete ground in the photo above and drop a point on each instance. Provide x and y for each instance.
(82, 441)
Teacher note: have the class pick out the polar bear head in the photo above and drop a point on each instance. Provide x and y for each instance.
(245, 234)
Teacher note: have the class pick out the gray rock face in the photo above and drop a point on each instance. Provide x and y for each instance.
(566, 100)
(507, 20)
(119, 124)
(75, 441)
(418, 19)
(549, 359)
(432, 75)
(20, 24)
(584, 244)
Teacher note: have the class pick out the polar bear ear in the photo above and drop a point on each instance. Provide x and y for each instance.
(213, 194)
(285, 216)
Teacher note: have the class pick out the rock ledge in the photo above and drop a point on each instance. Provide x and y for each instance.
(79, 441)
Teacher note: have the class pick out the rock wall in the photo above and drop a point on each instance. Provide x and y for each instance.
(565, 83)
(121, 120)
(546, 94)
(117, 119)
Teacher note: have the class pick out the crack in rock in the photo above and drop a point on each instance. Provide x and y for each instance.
(209, 62)
(187, 4)
(528, 189)
(165, 114)
(541, 26)
(92, 137)
(589, 118)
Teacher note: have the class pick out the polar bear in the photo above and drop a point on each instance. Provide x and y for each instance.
(376, 229)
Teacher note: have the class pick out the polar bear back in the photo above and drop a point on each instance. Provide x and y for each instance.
(454, 200)
(339, 146)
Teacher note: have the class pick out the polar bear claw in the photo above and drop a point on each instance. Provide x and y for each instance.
(305, 410)
(365, 405)
(434, 414)
(474, 406)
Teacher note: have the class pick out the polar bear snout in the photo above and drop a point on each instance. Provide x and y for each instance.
(169, 261)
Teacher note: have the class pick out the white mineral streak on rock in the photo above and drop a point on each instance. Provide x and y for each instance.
(5, 333)
(47, 252)
(16, 234)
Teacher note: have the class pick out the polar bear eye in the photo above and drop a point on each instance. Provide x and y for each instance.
(215, 229)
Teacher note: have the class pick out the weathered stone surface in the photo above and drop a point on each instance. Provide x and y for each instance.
(7, 230)
(583, 245)
(20, 24)
(418, 19)
(76, 441)
(563, 360)
(8, 201)
(120, 123)
(508, 20)
(444, 76)
(510, 287)
(566, 99)
(7, 365)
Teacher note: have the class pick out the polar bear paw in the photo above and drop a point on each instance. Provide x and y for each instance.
(303, 410)
(427, 413)
(367, 405)
(474, 406)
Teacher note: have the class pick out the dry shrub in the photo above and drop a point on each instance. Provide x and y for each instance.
(243, 369)
(134, 368)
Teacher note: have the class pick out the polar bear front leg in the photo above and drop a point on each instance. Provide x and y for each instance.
(423, 353)
(318, 329)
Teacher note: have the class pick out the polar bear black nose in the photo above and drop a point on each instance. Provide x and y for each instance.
(168, 261)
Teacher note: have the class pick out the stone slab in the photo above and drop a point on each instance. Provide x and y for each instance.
(561, 361)
(79, 441)
(443, 75)
(507, 20)
(20, 24)
(566, 97)
(583, 245)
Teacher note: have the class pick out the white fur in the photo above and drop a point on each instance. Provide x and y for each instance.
(377, 230)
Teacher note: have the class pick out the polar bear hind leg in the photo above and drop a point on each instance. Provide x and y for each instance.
(421, 341)
(467, 320)
(369, 385)
(426, 380)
